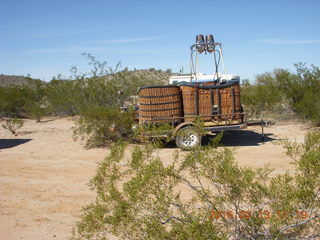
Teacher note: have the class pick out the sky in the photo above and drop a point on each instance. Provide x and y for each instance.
(46, 38)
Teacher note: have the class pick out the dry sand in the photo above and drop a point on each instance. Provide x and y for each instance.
(44, 173)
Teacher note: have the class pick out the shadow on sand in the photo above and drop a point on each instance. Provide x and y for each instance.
(46, 120)
(233, 138)
(240, 138)
(10, 143)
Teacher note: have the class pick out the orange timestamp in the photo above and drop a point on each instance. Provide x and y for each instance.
(261, 214)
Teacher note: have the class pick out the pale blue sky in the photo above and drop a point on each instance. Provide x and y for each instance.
(44, 38)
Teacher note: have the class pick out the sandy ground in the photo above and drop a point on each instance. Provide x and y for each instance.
(44, 173)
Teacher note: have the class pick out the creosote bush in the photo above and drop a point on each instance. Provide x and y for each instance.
(202, 194)
(97, 98)
(282, 92)
(13, 124)
(99, 126)
(261, 96)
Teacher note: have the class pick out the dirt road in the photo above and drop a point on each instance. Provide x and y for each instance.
(44, 173)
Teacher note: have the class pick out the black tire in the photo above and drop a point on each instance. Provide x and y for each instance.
(188, 138)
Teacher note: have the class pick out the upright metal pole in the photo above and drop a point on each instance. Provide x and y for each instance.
(262, 130)
(197, 66)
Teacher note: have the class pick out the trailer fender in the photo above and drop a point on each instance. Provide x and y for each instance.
(182, 125)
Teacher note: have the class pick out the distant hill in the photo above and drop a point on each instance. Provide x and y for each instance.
(9, 80)
(152, 74)
(148, 75)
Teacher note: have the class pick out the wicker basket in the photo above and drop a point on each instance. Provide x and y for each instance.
(159, 104)
(230, 101)
(211, 102)
(189, 102)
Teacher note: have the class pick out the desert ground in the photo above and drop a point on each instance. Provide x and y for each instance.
(44, 173)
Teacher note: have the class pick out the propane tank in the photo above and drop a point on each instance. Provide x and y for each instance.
(200, 43)
(210, 43)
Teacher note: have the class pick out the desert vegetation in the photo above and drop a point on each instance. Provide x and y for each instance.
(94, 97)
(141, 198)
(282, 92)
(279, 92)
(12, 125)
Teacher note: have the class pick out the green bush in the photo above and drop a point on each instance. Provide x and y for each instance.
(202, 195)
(282, 92)
(100, 87)
(37, 105)
(262, 95)
(26, 100)
(302, 90)
(97, 99)
(13, 100)
(13, 124)
(99, 126)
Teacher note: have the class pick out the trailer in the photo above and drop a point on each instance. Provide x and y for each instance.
(215, 103)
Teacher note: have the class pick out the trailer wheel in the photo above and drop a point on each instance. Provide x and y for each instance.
(188, 138)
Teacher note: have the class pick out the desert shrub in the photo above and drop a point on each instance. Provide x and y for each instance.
(281, 91)
(97, 98)
(99, 126)
(262, 95)
(302, 90)
(158, 133)
(24, 100)
(98, 87)
(202, 195)
(13, 100)
(64, 97)
(12, 125)
(36, 105)
(36, 111)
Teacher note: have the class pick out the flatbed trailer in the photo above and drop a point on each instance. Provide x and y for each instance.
(187, 134)
(215, 103)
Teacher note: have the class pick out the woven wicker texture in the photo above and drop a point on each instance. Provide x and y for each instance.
(160, 104)
(208, 102)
